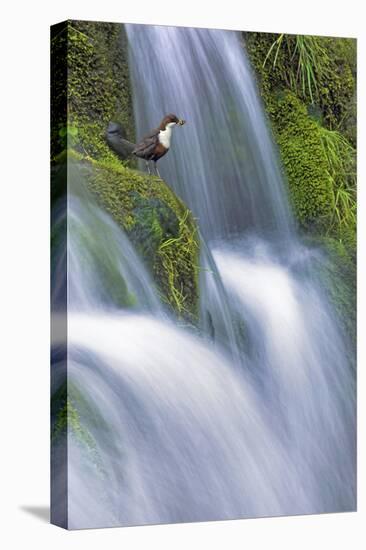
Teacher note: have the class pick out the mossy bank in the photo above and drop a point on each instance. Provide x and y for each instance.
(313, 118)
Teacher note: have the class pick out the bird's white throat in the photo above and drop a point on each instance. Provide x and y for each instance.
(166, 135)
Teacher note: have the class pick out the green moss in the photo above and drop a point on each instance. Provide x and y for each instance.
(102, 256)
(269, 77)
(73, 416)
(296, 133)
(305, 163)
(339, 277)
(316, 137)
(159, 225)
(341, 158)
(318, 160)
(98, 87)
(99, 91)
(330, 80)
(175, 257)
(337, 86)
(58, 86)
(67, 419)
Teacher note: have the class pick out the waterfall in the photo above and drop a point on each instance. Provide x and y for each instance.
(104, 270)
(256, 416)
(224, 165)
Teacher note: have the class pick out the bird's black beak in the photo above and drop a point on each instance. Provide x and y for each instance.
(181, 122)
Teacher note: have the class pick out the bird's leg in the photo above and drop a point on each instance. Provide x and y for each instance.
(157, 171)
(148, 167)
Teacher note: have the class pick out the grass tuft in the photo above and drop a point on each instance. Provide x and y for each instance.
(341, 158)
(308, 61)
(172, 256)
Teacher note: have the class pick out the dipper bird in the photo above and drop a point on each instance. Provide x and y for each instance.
(153, 146)
(157, 143)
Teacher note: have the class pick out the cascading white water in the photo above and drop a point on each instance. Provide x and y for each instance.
(262, 423)
(224, 165)
(187, 437)
(301, 369)
(103, 268)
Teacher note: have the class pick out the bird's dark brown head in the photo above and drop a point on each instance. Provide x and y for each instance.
(171, 119)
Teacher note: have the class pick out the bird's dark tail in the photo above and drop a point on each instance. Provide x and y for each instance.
(115, 137)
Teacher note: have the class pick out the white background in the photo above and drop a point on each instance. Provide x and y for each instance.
(24, 272)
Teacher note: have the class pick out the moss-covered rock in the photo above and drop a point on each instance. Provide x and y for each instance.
(338, 85)
(98, 83)
(74, 416)
(319, 162)
(98, 87)
(330, 71)
(156, 221)
(305, 162)
(339, 277)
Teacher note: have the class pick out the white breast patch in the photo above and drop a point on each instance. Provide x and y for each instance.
(165, 137)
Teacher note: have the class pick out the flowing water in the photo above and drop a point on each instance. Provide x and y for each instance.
(224, 166)
(254, 417)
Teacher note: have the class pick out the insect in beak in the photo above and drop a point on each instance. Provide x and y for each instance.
(181, 122)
